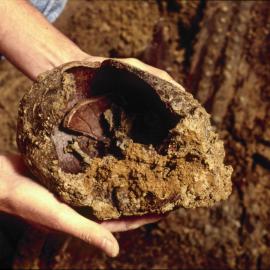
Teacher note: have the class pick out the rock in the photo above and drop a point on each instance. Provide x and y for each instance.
(120, 141)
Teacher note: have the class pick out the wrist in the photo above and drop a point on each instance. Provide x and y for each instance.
(30, 42)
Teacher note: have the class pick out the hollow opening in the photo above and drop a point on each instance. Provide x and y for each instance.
(111, 104)
(136, 105)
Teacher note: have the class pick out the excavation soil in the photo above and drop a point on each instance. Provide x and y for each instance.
(234, 234)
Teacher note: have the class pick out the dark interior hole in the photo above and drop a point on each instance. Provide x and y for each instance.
(135, 110)
(150, 119)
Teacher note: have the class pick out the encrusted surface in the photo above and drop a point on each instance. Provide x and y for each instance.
(161, 151)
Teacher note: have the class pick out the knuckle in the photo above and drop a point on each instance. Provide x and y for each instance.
(165, 73)
(131, 226)
(87, 238)
(134, 61)
(57, 220)
(60, 218)
(94, 240)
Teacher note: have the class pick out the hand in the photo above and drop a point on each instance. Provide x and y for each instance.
(34, 54)
(133, 62)
(21, 196)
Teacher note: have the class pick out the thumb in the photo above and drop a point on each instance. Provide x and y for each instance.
(35, 203)
(69, 221)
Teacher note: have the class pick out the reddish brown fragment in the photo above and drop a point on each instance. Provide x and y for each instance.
(85, 117)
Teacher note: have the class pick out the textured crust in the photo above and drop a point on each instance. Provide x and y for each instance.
(190, 174)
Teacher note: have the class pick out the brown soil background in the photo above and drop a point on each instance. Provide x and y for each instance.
(221, 52)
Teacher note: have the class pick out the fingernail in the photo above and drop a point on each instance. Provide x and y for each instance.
(110, 247)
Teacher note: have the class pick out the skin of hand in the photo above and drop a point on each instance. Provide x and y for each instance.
(21, 196)
(33, 45)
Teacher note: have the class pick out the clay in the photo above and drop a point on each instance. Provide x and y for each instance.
(120, 141)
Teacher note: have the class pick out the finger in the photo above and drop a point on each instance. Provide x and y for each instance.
(130, 223)
(93, 58)
(153, 70)
(33, 202)
(12, 163)
(71, 222)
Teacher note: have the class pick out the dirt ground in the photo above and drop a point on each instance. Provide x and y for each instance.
(219, 50)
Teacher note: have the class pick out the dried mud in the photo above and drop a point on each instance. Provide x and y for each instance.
(149, 146)
(234, 234)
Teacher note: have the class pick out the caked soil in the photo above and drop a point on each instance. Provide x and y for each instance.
(220, 52)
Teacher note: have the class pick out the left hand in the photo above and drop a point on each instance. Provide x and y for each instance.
(21, 196)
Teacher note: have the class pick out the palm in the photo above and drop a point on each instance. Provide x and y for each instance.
(25, 198)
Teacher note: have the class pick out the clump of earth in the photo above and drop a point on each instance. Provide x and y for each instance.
(120, 141)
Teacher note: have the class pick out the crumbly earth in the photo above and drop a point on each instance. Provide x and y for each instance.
(183, 168)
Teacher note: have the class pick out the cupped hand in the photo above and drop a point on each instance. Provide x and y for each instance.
(136, 63)
(21, 196)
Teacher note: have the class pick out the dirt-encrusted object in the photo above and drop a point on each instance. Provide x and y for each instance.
(120, 141)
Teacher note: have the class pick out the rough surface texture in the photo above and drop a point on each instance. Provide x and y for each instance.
(160, 151)
(232, 235)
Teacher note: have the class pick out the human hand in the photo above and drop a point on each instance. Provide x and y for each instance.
(133, 62)
(21, 196)
(34, 54)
